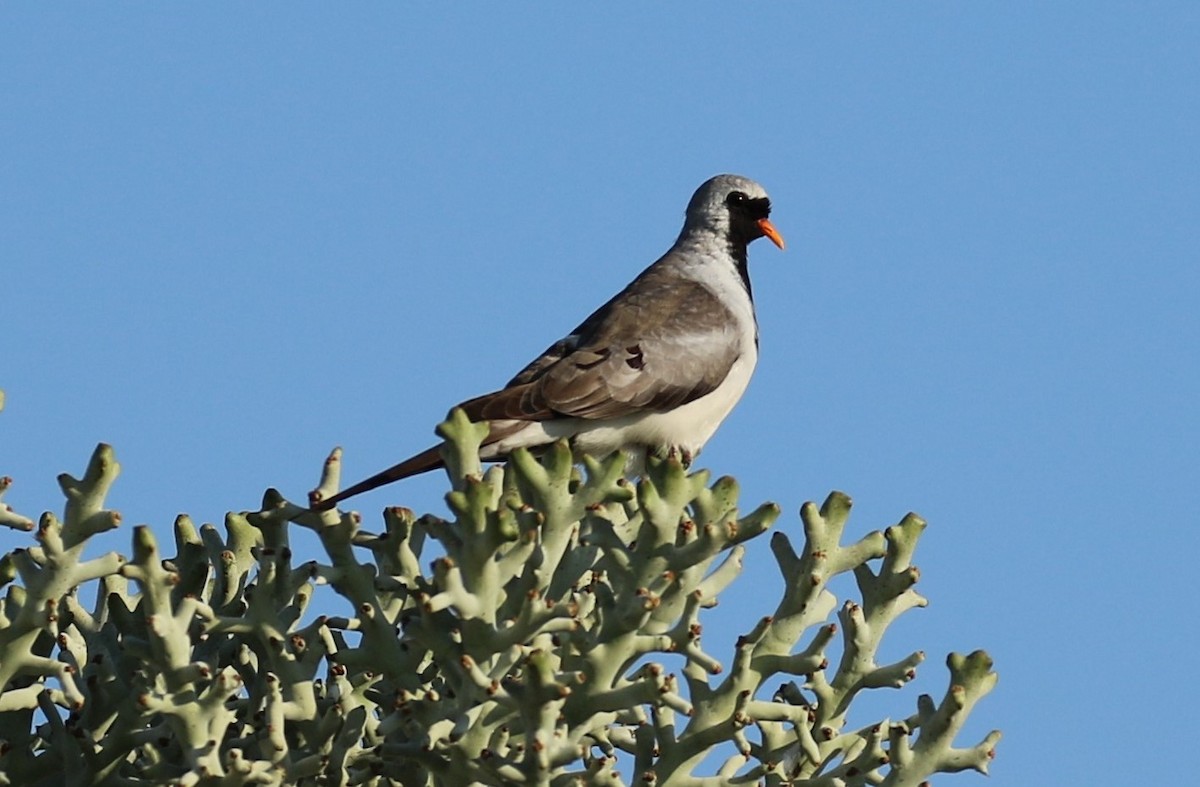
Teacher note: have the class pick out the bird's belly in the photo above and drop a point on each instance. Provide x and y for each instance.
(687, 427)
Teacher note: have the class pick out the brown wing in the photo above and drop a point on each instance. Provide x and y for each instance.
(660, 343)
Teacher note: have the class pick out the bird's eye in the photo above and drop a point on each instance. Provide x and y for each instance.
(736, 198)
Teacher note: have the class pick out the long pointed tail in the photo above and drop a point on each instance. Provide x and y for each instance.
(429, 459)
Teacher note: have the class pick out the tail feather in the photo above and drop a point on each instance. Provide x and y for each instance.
(429, 459)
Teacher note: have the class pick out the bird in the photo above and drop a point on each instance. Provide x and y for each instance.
(655, 369)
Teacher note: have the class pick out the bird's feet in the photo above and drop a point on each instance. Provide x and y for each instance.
(676, 452)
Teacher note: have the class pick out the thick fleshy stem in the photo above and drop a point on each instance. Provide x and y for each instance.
(551, 623)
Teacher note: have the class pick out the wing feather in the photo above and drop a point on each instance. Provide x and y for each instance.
(661, 343)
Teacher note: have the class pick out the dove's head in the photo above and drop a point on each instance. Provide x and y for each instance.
(733, 207)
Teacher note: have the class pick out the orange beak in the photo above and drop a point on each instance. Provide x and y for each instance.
(769, 230)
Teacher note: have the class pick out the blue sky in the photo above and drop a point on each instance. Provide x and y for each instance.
(234, 236)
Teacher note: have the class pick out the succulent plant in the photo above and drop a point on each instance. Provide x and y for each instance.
(547, 633)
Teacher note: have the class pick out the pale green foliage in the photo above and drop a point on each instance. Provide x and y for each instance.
(558, 626)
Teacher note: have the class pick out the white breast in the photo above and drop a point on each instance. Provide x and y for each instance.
(687, 427)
